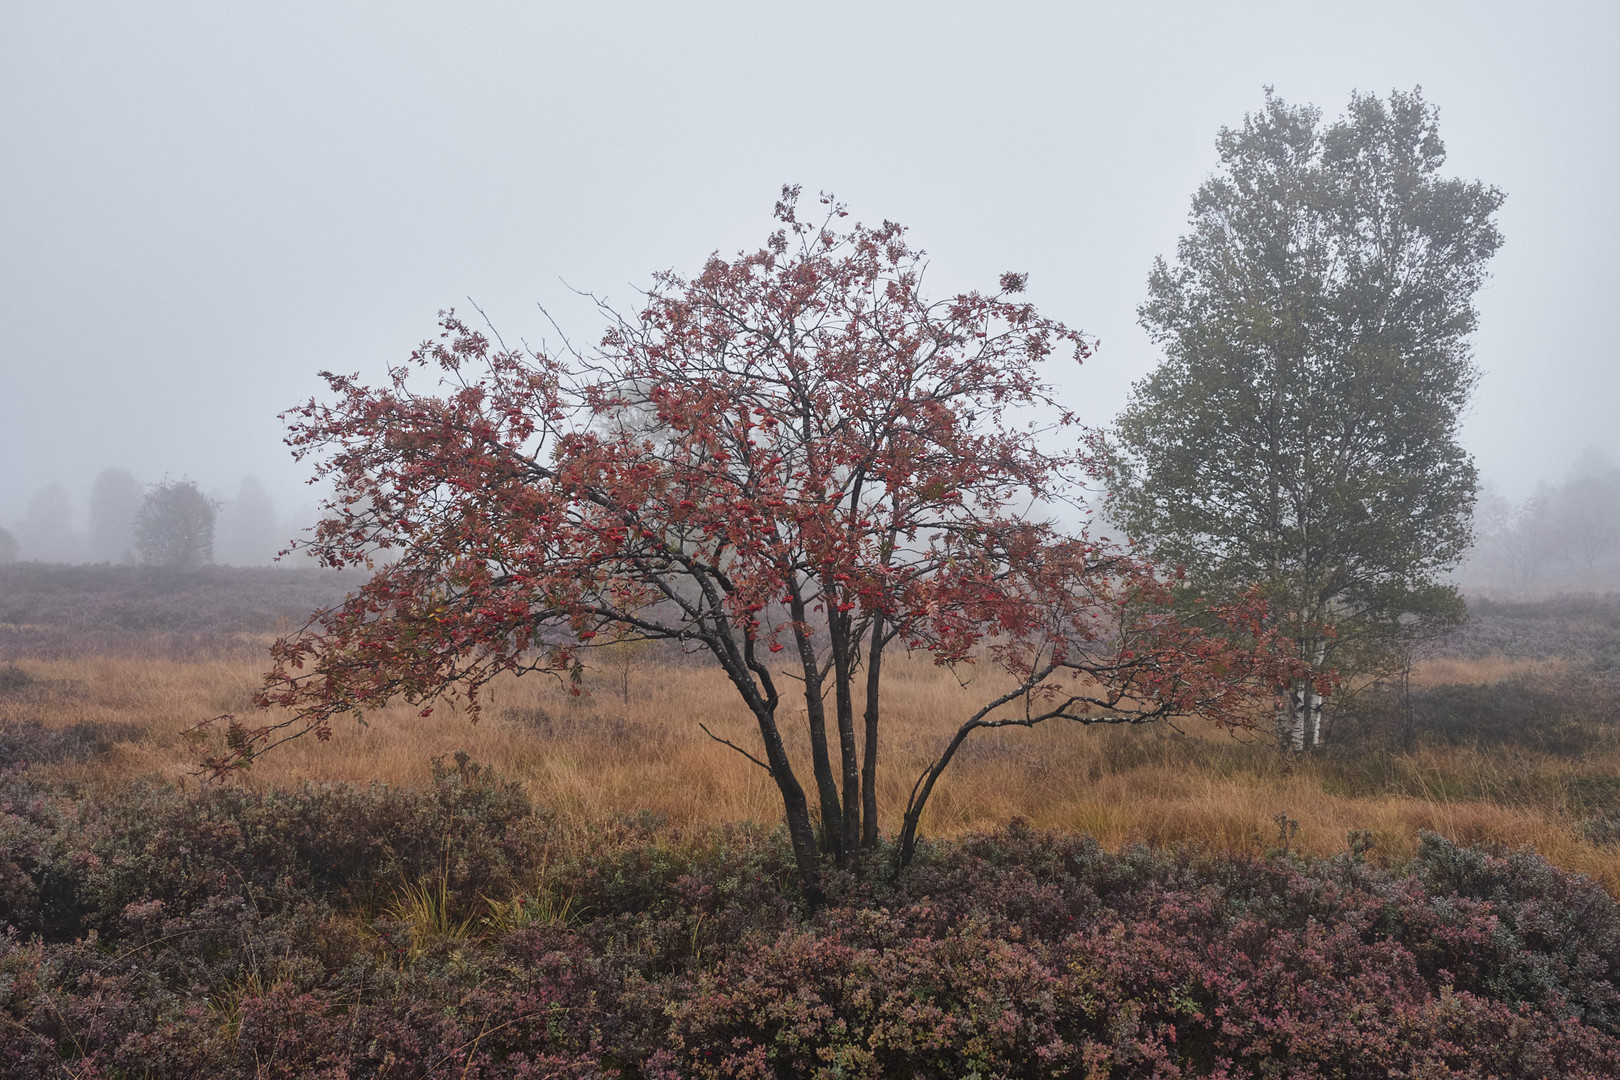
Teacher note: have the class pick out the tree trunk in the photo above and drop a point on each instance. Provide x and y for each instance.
(816, 714)
(1299, 719)
(1408, 727)
(762, 702)
(874, 665)
(795, 807)
(1291, 719)
(1296, 718)
(1313, 700)
(843, 674)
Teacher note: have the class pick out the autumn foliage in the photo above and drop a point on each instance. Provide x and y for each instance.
(791, 463)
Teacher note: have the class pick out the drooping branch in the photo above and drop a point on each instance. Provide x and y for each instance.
(734, 746)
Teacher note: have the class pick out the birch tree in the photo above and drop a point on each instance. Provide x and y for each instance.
(1300, 432)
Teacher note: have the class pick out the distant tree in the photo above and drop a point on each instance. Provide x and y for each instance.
(115, 500)
(1533, 539)
(1488, 562)
(791, 463)
(46, 532)
(175, 526)
(9, 548)
(1301, 432)
(249, 533)
(1587, 509)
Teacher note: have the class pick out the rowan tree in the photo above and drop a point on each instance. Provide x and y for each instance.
(1301, 432)
(791, 462)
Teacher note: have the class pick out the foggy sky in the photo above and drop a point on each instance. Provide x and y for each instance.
(203, 204)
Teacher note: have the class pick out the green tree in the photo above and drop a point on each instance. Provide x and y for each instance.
(175, 526)
(1301, 431)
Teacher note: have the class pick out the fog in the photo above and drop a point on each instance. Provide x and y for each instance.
(202, 205)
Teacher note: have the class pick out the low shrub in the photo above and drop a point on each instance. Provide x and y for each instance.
(14, 680)
(369, 932)
(28, 742)
(1584, 627)
(1567, 717)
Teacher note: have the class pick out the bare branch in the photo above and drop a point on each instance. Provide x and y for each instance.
(734, 746)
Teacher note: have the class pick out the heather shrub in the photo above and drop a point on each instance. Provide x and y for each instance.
(335, 843)
(1553, 938)
(221, 933)
(59, 610)
(1571, 625)
(1567, 716)
(14, 680)
(28, 742)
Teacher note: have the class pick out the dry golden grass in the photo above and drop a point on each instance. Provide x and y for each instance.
(609, 753)
(1448, 670)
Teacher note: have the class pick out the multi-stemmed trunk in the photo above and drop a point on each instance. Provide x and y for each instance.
(847, 795)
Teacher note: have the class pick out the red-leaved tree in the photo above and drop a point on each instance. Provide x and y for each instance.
(792, 462)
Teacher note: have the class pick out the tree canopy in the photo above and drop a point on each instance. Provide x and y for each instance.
(1301, 430)
(790, 462)
(175, 526)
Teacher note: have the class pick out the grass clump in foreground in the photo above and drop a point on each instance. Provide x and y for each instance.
(453, 929)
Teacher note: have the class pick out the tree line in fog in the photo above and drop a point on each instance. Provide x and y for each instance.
(172, 522)
(1561, 536)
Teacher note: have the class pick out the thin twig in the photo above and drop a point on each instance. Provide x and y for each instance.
(735, 747)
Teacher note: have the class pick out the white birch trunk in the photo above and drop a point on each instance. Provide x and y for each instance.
(1291, 719)
(1313, 700)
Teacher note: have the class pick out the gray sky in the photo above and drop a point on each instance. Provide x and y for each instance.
(203, 204)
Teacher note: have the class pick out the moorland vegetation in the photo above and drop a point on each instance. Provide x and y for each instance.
(600, 889)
